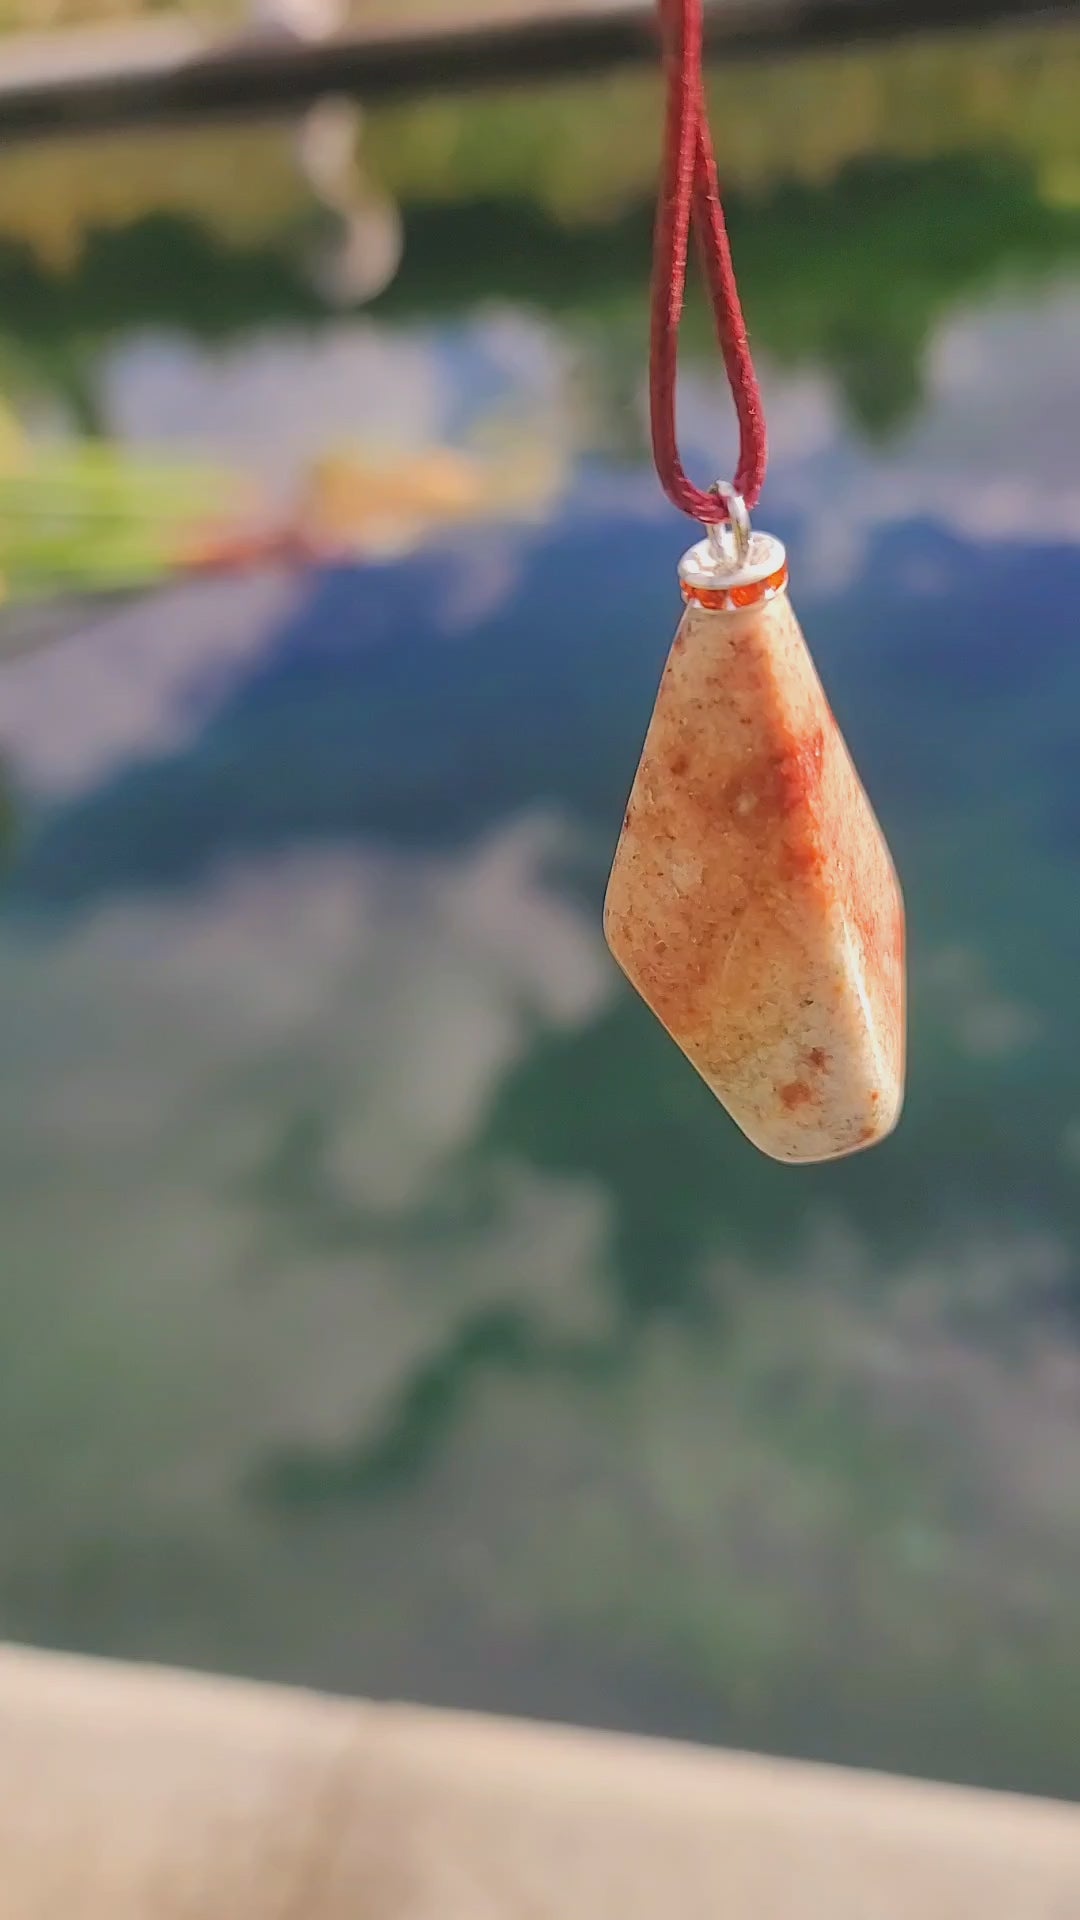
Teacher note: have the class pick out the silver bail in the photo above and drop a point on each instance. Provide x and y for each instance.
(729, 537)
(732, 567)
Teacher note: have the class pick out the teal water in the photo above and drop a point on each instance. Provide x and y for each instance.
(383, 1303)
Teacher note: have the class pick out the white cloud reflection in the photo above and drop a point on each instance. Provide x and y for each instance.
(983, 1022)
(990, 455)
(234, 1131)
(135, 683)
(276, 402)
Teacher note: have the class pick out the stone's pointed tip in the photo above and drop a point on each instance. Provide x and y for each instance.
(753, 902)
(872, 1135)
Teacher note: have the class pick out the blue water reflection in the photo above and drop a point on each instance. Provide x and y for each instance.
(385, 1303)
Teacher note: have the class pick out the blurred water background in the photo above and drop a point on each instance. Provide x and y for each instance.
(383, 1302)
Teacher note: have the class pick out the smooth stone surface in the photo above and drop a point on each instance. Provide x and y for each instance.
(753, 902)
(130, 1793)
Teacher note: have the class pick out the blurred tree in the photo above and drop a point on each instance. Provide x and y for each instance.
(818, 266)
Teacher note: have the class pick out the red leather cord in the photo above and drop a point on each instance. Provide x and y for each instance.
(690, 194)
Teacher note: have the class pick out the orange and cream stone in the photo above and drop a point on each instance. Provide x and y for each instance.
(753, 902)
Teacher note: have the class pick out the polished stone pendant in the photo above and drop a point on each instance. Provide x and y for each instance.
(753, 902)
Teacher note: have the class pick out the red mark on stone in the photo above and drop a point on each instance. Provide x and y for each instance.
(798, 770)
(803, 856)
(795, 1094)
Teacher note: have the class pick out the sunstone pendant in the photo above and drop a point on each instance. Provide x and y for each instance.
(753, 902)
